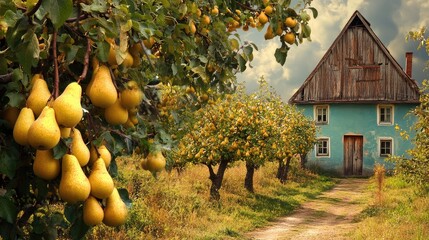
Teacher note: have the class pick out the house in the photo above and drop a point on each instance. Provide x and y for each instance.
(357, 94)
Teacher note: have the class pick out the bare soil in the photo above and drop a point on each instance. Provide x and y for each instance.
(330, 216)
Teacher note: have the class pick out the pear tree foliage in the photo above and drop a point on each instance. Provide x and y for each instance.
(145, 45)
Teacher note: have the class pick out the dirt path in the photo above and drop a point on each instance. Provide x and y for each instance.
(329, 216)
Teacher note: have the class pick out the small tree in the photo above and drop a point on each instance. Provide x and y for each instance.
(415, 168)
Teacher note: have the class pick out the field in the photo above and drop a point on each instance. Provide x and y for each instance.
(176, 205)
(402, 213)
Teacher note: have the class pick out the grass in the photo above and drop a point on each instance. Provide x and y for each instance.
(402, 214)
(177, 206)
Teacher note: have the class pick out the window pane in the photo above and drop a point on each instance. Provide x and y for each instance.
(322, 147)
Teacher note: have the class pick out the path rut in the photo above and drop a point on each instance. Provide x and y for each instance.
(329, 216)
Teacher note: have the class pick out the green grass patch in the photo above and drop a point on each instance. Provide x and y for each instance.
(177, 206)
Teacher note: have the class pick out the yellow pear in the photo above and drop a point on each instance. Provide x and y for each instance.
(269, 34)
(74, 185)
(115, 212)
(23, 123)
(39, 95)
(93, 213)
(103, 153)
(100, 180)
(44, 133)
(128, 60)
(131, 96)
(68, 110)
(78, 148)
(116, 114)
(111, 60)
(65, 132)
(155, 161)
(100, 89)
(262, 18)
(45, 166)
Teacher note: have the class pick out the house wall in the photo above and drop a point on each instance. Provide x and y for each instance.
(359, 119)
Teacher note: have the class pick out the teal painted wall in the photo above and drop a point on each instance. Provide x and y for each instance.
(359, 119)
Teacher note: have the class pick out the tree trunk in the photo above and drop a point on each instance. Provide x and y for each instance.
(216, 179)
(280, 169)
(248, 180)
(282, 172)
(286, 172)
(303, 158)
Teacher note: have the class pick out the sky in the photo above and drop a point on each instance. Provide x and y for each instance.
(390, 20)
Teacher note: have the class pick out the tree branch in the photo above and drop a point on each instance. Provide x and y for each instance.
(85, 61)
(6, 78)
(34, 9)
(56, 74)
(147, 55)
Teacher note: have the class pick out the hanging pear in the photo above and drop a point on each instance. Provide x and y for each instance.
(131, 96)
(44, 133)
(103, 153)
(101, 182)
(39, 95)
(116, 114)
(23, 123)
(74, 185)
(100, 89)
(65, 132)
(45, 166)
(78, 148)
(93, 213)
(115, 212)
(68, 110)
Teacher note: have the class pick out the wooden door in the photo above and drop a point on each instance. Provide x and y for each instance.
(353, 155)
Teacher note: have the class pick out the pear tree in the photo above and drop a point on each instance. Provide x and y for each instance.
(80, 82)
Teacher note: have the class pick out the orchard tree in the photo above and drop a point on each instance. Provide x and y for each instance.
(239, 127)
(415, 168)
(79, 83)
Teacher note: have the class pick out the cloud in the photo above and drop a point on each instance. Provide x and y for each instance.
(389, 19)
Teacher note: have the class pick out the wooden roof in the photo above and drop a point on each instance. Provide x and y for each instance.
(357, 68)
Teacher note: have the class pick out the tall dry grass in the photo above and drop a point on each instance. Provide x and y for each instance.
(403, 214)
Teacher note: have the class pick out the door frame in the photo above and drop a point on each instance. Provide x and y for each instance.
(360, 171)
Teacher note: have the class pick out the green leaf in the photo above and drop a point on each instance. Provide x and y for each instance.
(61, 148)
(125, 196)
(201, 72)
(113, 168)
(242, 61)
(78, 228)
(58, 11)
(96, 6)
(8, 210)
(306, 30)
(281, 54)
(9, 160)
(174, 69)
(28, 52)
(315, 12)
(15, 99)
(103, 49)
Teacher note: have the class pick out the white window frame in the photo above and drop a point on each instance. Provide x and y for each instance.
(316, 148)
(315, 112)
(391, 146)
(392, 115)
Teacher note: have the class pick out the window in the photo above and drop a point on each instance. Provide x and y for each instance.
(321, 114)
(386, 147)
(322, 147)
(385, 115)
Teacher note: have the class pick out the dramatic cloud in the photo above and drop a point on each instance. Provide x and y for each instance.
(391, 20)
